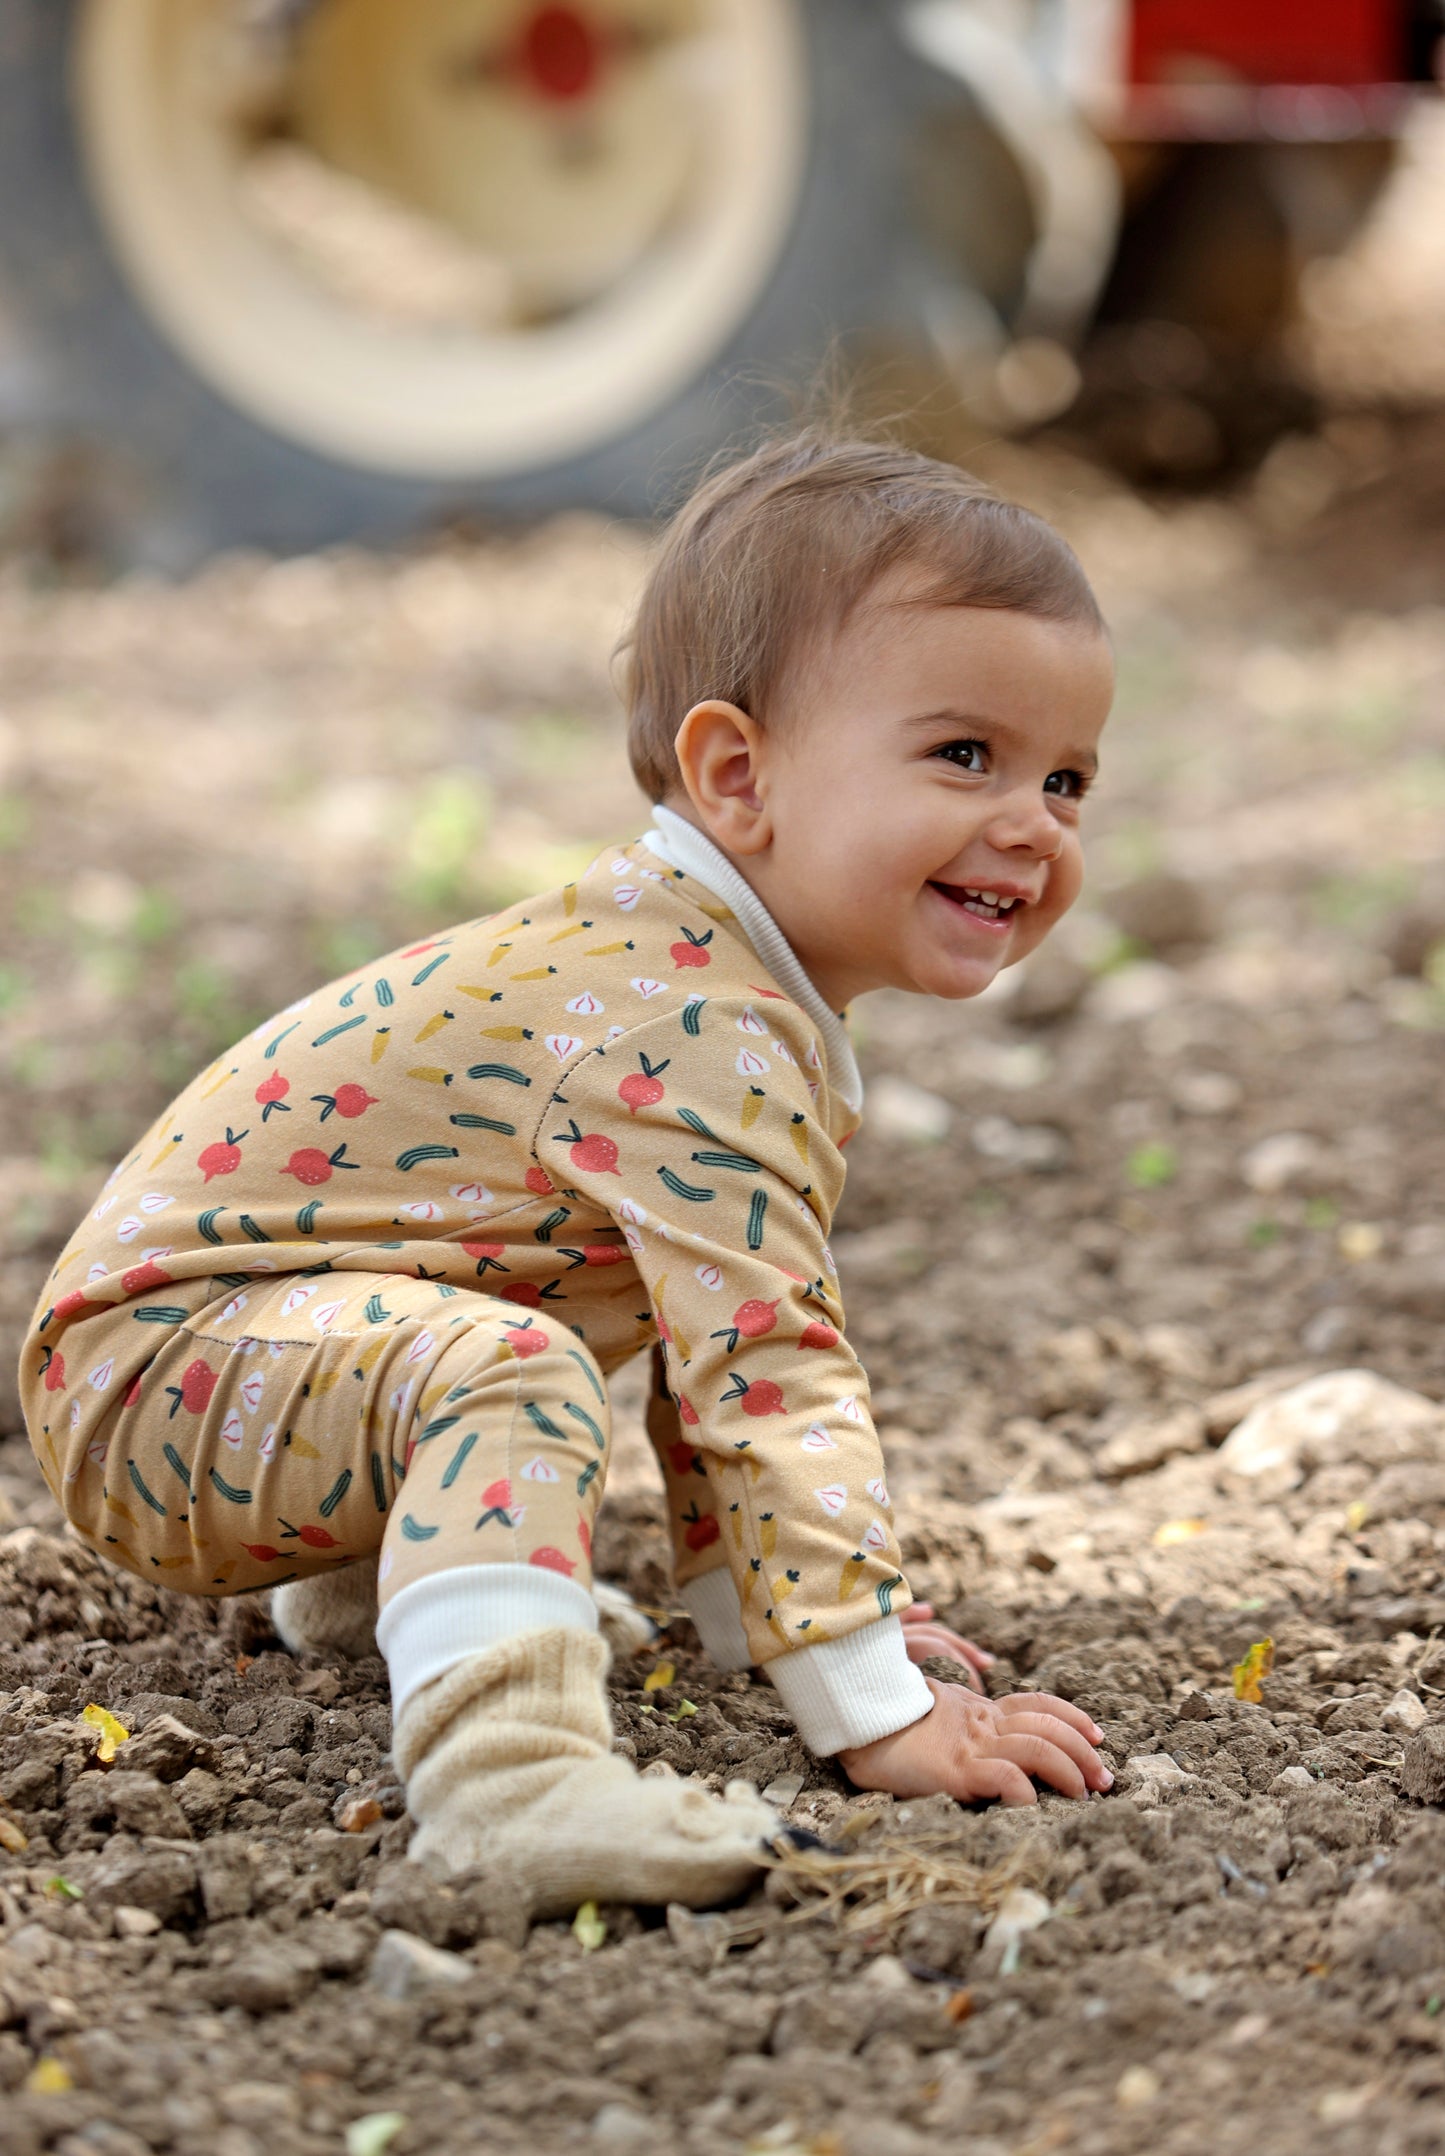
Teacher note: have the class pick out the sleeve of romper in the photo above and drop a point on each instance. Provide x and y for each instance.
(696, 1131)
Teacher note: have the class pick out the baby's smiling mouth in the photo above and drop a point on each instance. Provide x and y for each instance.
(983, 904)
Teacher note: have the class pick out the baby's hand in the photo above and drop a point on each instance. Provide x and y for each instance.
(970, 1748)
(923, 1635)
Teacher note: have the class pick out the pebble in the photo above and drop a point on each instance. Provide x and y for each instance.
(1134, 992)
(1206, 1092)
(902, 1111)
(404, 1967)
(1340, 1416)
(162, 1880)
(1136, 2087)
(1279, 1160)
(783, 1790)
(1162, 909)
(1151, 1778)
(1422, 1770)
(134, 1923)
(1147, 1443)
(1405, 1711)
(166, 1749)
(618, 2126)
(1037, 1147)
(264, 1979)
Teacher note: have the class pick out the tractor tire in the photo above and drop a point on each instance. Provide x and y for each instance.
(193, 470)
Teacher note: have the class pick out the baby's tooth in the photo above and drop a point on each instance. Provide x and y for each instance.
(990, 898)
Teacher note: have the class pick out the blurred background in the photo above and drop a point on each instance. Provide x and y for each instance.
(349, 352)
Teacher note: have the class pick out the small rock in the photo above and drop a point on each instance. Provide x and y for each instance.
(1279, 1160)
(1134, 991)
(1148, 1442)
(161, 1879)
(258, 2103)
(1206, 1092)
(1037, 1147)
(1343, 1415)
(1164, 910)
(1050, 983)
(1136, 2087)
(618, 2126)
(1152, 1778)
(1406, 1711)
(1223, 1411)
(167, 1749)
(784, 1789)
(900, 1110)
(139, 1803)
(405, 1968)
(1292, 1778)
(263, 1979)
(357, 1814)
(1422, 1770)
(134, 1923)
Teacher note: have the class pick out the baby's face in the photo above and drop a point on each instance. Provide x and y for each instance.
(932, 754)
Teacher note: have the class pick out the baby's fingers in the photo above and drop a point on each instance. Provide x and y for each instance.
(977, 1779)
(1061, 1737)
(923, 1640)
(1037, 1756)
(1047, 1703)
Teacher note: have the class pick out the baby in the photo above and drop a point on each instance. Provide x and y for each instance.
(342, 1323)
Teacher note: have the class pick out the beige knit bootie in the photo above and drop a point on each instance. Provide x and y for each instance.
(507, 1768)
(331, 1613)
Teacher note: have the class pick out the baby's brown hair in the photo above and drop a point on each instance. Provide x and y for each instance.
(775, 551)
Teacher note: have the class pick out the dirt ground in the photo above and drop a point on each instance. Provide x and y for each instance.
(1194, 1147)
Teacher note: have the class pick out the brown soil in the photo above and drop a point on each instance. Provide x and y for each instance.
(215, 795)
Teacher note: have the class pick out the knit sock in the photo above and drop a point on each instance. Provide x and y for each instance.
(330, 1613)
(507, 1768)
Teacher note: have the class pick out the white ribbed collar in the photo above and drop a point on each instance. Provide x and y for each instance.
(682, 845)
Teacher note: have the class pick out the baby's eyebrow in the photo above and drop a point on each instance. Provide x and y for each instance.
(920, 722)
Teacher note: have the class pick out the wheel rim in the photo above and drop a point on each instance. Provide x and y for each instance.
(460, 238)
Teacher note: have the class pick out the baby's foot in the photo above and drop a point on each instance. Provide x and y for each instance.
(331, 1613)
(507, 1767)
(603, 1832)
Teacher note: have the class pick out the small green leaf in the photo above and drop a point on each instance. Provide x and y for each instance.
(588, 1928)
(63, 1889)
(1151, 1164)
(686, 1708)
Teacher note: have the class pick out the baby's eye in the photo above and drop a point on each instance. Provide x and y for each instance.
(1072, 784)
(956, 751)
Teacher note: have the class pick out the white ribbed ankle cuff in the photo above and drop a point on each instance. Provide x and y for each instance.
(433, 1624)
(711, 1601)
(846, 1692)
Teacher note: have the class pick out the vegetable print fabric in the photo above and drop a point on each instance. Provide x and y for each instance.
(592, 1117)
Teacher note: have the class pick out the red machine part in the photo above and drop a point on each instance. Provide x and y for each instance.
(1347, 43)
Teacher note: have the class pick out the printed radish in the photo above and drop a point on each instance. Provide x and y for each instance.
(67, 1306)
(310, 1165)
(751, 1320)
(692, 951)
(539, 1182)
(53, 1371)
(762, 1397)
(686, 1410)
(817, 1335)
(140, 1277)
(271, 1095)
(198, 1382)
(261, 1551)
(348, 1101)
(595, 1254)
(594, 1154)
(523, 1340)
(702, 1529)
(223, 1157)
(641, 1089)
(682, 1459)
(487, 1255)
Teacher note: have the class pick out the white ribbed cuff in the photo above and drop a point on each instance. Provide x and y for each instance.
(711, 1601)
(430, 1626)
(846, 1692)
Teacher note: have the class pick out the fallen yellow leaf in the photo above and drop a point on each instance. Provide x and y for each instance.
(1356, 1517)
(113, 1733)
(1174, 1531)
(12, 1838)
(47, 2077)
(658, 1679)
(1249, 1673)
